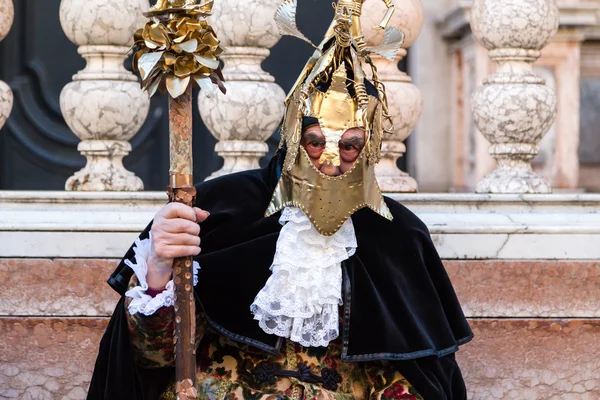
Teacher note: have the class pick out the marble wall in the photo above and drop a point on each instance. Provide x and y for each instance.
(536, 325)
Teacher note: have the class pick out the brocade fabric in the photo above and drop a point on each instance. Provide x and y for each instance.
(233, 371)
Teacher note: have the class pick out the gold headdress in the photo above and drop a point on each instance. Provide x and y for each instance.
(332, 89)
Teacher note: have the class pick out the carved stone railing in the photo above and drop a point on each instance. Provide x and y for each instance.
(514, 109)
(253, 107)
(7, 13)
(404, 98)
(104, 105)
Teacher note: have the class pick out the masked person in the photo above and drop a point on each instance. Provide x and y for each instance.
(310, 284)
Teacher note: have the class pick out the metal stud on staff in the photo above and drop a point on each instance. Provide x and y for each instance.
(176, 50)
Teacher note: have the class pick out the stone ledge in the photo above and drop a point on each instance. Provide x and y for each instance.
(464, 226)
(61, 287)
(48, 358)
(486, 288)
(532, 359)
(527, 289)
(508, 359)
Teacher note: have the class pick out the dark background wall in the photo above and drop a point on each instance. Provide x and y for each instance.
(37, 149)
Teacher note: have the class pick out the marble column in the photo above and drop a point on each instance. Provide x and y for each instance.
(404, 98)
(514, 109)
(104, 105)
(7, 14)
(253, 107)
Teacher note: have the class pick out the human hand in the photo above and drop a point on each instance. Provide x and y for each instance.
(175, 233)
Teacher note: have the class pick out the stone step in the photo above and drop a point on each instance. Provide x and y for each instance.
(486, 288)
(53, 358)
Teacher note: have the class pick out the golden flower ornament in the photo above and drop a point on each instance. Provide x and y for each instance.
(178, 47)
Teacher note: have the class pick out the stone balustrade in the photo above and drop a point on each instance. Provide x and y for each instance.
(6, 96)
(104, 105)
(561, 65)
(404, 98)
(514, 109)
(253, 107)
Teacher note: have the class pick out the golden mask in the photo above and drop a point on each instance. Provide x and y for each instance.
(329, 201)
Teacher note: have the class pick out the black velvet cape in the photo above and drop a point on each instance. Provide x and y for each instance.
(399, 304)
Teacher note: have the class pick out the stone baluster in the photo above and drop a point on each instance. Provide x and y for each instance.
(253, 107)
(7, 14)
(404, 98)
(103, 105)
(514, 109)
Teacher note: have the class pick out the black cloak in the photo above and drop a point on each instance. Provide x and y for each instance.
(399, 304)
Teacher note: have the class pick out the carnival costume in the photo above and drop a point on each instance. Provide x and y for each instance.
(309, 286)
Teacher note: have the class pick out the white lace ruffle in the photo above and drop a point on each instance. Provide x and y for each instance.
(142, 302)
(301, 298)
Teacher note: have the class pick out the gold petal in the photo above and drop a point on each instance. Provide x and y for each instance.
(185, 66)
(210, 39)
(147, 62)
(136, 58)
(189, 46)
(137, 36)
(157, 33)
(149, 44)
(177, 86)
(186, 25)
(170, 59)
(206, 85)
(153, 86)
(206, 7)
(209, 62)
(183, 37)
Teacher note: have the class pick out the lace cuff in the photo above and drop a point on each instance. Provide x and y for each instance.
(141, 302)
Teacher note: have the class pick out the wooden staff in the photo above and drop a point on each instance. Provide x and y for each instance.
(181, 189)
(173, 32)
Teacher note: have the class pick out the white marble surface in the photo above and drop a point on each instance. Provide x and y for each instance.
(6, 102)
(104, 114)
(514, 109)
(527, 24)
(104, 110)
(246, 22)
(242, 139)
(248, 30)
(408, 17)
(7, 14)
(98, 22)
(469, 226)
(227, 115)
(104, 106)
(104, 169)
(404, 98)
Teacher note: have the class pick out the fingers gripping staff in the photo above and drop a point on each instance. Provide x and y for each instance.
(174, 51)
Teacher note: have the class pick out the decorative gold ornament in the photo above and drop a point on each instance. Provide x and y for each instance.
(329, 201)
(178, 47)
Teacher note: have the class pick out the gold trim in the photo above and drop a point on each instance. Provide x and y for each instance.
(328, 201)
(181, 180)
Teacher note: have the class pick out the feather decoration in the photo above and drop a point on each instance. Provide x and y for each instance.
(285, 17)
(393, 38)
